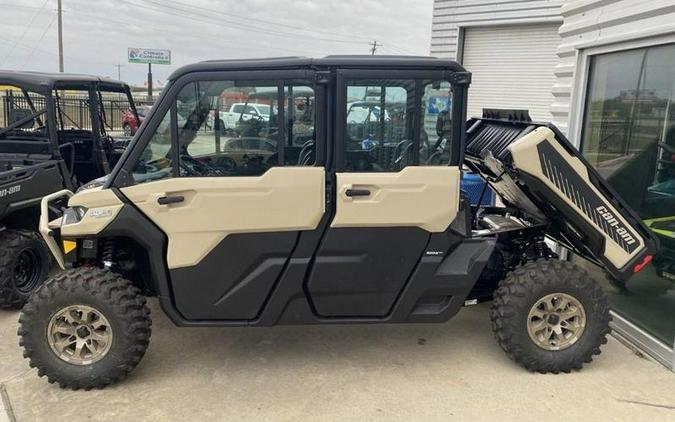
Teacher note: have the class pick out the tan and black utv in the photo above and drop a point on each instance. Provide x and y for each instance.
(326, 211)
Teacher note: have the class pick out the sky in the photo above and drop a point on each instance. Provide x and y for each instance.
(97, 33)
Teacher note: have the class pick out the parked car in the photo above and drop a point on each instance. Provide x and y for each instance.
(129, 122)
(239, 112)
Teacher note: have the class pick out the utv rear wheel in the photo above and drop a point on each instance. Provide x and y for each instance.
(550, 316)
(128, 131)
(85, 328)
(24, 265)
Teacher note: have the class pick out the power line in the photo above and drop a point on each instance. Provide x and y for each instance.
(163, 29)
(23, 34)
(163, 8)
(248, 19)
(25, 62)
(17, 6)
(51, 53)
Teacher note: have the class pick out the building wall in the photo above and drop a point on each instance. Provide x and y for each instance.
(451, 15)
(595, 23)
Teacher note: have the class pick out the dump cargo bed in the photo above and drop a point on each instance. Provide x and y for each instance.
(535, 169)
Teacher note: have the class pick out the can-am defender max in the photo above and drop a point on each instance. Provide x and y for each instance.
(53, 136)
(314, 217)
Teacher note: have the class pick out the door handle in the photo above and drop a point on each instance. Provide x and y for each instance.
(357, 192)
(166, 200)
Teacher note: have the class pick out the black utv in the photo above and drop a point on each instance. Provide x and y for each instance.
(328, 212)
(53, 135)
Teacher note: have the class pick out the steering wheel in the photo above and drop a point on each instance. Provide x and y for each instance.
(193, 167)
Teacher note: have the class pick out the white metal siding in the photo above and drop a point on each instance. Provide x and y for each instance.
(591, 23)
(512, 67)
(450, 15)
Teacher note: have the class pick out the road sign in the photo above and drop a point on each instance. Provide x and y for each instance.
(149, 55)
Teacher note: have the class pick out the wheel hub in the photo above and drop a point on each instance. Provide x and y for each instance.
(79, 334)
(556, 321)
(83, 332)
(27, 270)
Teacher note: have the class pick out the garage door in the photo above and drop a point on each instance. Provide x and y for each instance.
(512, 67)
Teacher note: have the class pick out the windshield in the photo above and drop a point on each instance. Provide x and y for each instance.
(22, 113)
(74, 113)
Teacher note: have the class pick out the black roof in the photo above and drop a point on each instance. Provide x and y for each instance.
(346, 61)
(45, 82)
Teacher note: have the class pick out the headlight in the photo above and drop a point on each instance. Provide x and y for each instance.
(73, 215)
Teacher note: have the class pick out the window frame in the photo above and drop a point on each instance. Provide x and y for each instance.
(345, 76)
(577, 110)
(167, 102)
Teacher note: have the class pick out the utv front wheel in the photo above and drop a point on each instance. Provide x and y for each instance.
(85, 328)
(550, 316)
(24, 265)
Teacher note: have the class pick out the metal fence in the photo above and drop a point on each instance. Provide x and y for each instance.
(74, 109)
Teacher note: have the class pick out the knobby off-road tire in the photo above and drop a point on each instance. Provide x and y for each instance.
(24, 265)
(107, 306)
(549, 282)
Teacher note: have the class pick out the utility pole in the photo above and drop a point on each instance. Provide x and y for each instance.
(150, 82)
(119, 73)
(60, 12)
(372, 50)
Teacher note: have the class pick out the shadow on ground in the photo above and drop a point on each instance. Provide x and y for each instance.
(342, 373)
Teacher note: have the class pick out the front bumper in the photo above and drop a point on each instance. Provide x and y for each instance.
(47, 229)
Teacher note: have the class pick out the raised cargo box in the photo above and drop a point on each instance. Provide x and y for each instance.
(534, 168)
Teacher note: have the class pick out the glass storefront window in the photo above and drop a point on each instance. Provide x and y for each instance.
(629, 137)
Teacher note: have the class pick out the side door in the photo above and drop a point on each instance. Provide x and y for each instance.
(396, 184)
(231, 210)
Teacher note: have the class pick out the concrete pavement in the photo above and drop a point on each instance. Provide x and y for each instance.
(452, 371)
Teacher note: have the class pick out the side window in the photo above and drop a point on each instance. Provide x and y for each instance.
(394, 123)
(227, 128)
(379, 125)
(300, 136)
(156, 159)
(436, 135)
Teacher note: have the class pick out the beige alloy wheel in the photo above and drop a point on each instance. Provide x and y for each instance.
(556, 321)
(79, 334)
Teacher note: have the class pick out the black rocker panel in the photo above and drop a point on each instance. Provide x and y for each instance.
(233, 281)
(359, 272)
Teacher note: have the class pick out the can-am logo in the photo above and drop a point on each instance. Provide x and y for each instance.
(614, 223)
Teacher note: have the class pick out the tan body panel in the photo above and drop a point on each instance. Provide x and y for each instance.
(526, 158)
(102, 208)
(282, 199)
(425, 197)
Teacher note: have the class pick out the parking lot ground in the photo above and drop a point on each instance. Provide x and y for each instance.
(452, 371)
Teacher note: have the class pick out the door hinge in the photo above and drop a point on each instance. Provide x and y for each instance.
(323, 77)
(460, 78)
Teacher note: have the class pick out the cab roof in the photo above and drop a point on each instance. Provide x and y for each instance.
(43, 83)
(328, 62)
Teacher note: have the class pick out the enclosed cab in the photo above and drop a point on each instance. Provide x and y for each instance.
(344, 206)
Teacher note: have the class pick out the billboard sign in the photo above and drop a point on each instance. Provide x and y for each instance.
(149, 55)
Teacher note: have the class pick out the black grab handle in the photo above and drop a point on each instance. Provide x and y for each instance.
(166, 200)
(357, 192)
